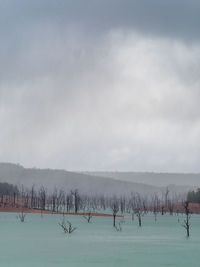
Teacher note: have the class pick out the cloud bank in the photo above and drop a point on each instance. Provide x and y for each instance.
(100, 86)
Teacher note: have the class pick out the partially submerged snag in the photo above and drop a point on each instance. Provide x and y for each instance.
(139, 213)
(186, 223)
(118, 227)
(115, 209)
(21, 216)
(88, 217)
(67, 226)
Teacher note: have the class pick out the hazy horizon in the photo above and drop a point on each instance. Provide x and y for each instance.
(95, 171)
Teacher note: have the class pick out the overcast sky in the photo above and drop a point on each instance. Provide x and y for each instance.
(100, 84)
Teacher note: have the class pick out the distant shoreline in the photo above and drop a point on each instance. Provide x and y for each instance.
(37, 211)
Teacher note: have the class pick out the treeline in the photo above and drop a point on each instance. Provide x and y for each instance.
(73, 201)
(194, 196)
(8, 189)
(60, 201)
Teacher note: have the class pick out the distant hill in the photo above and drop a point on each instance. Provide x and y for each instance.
(153, 178)
(85, 182)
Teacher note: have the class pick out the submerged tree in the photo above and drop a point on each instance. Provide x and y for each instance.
(21, 216)
(139, 209)
(118, 227)
(88, 216)
(186, 223)
(115, 209)
(77, 199)
(67, 226)
(155, 204)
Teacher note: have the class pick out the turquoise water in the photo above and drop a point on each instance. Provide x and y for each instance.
(40, 242)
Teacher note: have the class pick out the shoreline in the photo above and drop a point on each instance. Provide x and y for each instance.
(37, 211)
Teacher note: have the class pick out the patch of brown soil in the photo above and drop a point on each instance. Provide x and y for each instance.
(194, 207)
(26, 210)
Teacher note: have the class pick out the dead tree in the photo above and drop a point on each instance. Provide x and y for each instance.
(102, 202)
(61, 200)
(33, 197)
(162, 209)
(88, 217)
(166, 196)
(139, 209)
(42, 198)
(67, 226)
(139, 215)
(26, 199)
(118, 227)
(155, 202)
(131, 206)
(14, 198)
(186, 223)
(69, 202)
(170, 207)
(122, 204)
(77, 200)
(115, 209)
(21, 216)
(53, 199)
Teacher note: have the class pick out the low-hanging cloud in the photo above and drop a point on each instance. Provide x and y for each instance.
(120, 100)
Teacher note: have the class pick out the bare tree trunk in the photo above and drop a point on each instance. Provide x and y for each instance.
(114, 219)
(139, 219)
(115, 209)
(186, 223)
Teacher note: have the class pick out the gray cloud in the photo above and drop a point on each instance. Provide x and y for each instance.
(100, 87)
(175, 18)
